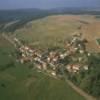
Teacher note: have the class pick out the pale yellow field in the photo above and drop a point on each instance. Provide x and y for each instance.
(53, 30)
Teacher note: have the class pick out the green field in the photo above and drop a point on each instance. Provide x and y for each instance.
(24, 84)
(20, 82)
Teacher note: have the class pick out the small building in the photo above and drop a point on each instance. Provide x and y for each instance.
(86, 67)
(62, 56)
(81, 51)
(73, 67)
(53, 73)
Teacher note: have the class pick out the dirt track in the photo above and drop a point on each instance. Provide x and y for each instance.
(81, 92)
(78, 90)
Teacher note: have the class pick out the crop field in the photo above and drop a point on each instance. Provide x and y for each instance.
(52, 31)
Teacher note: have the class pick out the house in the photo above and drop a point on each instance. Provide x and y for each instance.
(73, 67)
(86, 67)
(26, 48)
(17, 42)
(24, 59)
(89, 54)
(53, 73)
(80, 59)
(81, 51)
(62, 56)
(21, 49)
(44, 65)
(53, 57)
(71, 51)
(39, 66)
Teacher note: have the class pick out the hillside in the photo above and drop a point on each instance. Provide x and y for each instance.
(53, 30)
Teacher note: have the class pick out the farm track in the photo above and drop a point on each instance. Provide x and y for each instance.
(81, 92)
(74, 87)
(9, 39)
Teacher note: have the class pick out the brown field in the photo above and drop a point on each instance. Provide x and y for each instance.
(61, 27)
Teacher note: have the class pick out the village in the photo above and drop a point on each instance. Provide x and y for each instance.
(73, 59)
